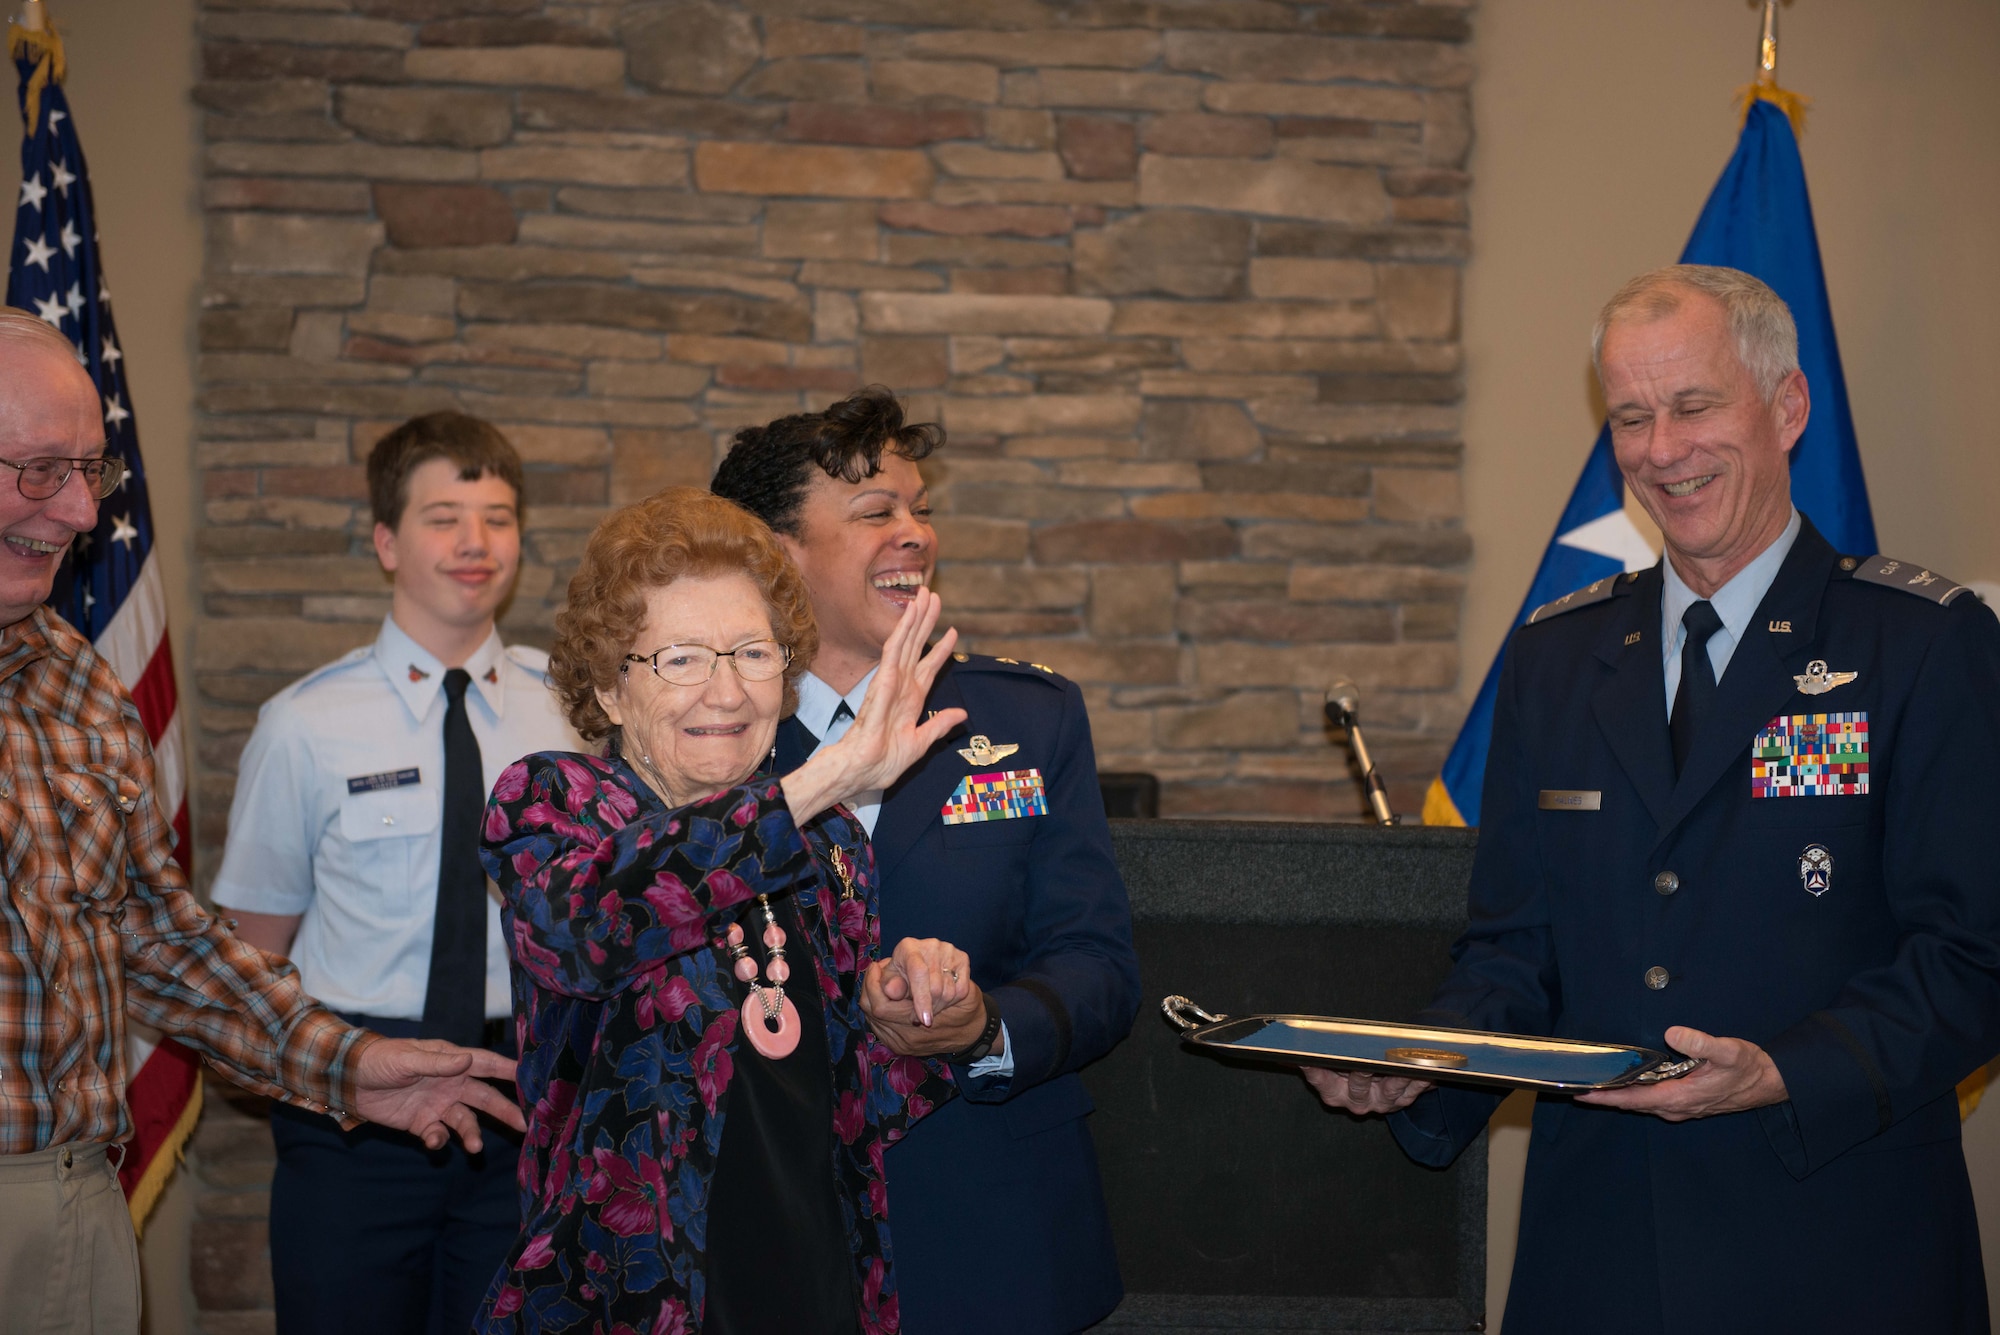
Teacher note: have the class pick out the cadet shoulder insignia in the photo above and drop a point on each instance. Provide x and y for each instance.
(282, 699)
(324, 670)
(1594, 592)
(527, 657)
(1894, 574)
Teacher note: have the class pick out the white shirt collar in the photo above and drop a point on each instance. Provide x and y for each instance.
(1735, 602)
(819, 701)
(418, 677)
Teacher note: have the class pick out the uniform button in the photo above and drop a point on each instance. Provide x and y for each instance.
(388, 820)
(1848, 563)
(1656, 978)
(1666, 883)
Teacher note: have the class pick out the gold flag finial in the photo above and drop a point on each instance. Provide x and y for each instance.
(33, 39)
(1764, 88)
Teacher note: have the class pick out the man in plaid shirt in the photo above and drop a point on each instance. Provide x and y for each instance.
(96, 919)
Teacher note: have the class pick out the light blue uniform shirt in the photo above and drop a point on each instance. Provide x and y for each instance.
(1735, 602)
(818, 704)
(339, 796)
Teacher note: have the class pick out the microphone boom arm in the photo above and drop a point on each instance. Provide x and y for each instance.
(1340, 712)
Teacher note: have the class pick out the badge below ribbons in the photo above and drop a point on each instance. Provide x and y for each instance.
(1811, 755)
(999, 795)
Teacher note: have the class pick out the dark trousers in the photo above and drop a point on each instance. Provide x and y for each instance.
(372, 1234)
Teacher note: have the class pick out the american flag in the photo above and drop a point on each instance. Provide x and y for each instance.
(110, 588)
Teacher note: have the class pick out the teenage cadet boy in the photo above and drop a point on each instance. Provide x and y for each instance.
(353, 847)
(1736, 808)
(1000, 1223)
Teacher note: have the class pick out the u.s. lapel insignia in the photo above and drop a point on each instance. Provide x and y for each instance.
(1816, 680)
(984, 752)
(1816, 870)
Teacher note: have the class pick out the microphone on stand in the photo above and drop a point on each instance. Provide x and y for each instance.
(1343, 705)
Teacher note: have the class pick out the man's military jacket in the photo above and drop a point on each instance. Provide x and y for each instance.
(1820, 880)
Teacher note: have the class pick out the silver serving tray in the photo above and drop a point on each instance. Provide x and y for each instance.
(1458, 1056)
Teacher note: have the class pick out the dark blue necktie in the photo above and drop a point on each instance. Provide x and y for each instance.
(455, 997)
(1697, 689)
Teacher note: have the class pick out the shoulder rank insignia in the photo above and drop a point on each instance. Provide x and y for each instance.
(1816, 680)
(984, 752)
(1594, 592)
(1895, 574)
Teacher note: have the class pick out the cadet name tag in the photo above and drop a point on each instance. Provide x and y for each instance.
(1571, 799)
(1811, 755)
(392, 778)
(999, 795)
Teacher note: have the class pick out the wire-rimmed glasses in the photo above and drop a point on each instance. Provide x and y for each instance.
(40, 479)
(694, 664)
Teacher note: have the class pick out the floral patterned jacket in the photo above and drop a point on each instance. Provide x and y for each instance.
(616, 908)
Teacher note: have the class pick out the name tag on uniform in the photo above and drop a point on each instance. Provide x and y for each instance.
(1811, 755)
(389, 778)
(1000, 795)
(1570, 799)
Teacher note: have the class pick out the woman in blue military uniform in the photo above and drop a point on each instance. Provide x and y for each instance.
(996, 841)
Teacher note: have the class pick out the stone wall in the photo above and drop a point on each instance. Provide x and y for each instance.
(1181, 279)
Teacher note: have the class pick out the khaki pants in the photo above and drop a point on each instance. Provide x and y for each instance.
(69, 1264)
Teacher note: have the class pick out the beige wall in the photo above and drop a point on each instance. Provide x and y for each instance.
(1600, 129)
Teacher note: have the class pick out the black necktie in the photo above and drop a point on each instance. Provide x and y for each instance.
(455, 999)
(1697, 688)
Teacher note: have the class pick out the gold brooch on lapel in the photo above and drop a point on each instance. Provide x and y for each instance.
(984, 752)
(1816, 680)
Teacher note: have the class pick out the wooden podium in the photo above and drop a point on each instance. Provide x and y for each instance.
(1238, 1202)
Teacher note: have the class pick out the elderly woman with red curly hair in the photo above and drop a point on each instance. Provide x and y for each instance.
(695, 946)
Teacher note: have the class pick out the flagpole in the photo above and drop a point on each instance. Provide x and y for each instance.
(1767, 46)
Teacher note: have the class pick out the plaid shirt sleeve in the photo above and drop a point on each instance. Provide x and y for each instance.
(185, 974)
(96, 920)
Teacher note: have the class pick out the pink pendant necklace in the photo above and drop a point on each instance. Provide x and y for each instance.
(769, 1019)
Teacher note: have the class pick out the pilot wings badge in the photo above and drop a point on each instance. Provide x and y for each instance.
(1816, 680)
(984, 752)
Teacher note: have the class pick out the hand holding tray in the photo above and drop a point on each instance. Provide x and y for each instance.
(1468, 1056)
